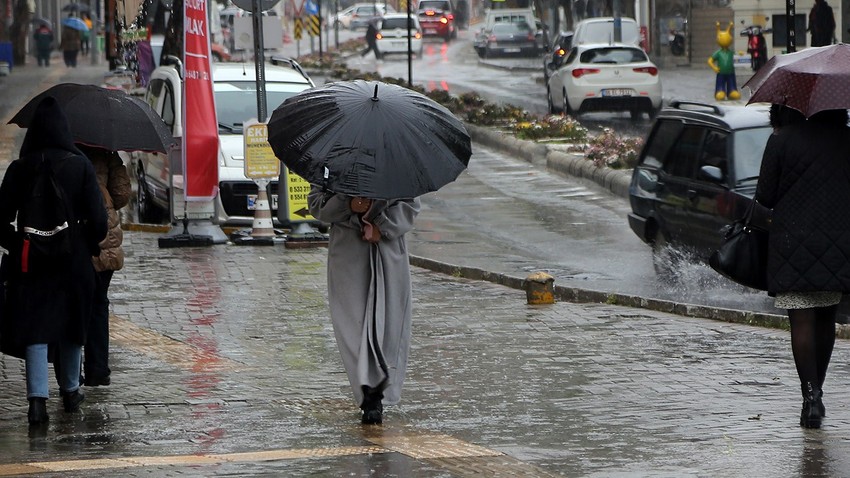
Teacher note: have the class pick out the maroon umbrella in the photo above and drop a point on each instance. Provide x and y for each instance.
(811, 80)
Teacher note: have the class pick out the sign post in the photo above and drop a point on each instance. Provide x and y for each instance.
(261, 165)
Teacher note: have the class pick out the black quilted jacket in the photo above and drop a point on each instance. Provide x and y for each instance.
(805, 179)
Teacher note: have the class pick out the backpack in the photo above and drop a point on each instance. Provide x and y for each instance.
(46, 223)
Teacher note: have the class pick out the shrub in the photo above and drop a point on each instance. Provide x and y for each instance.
(607, 149)
(564, 128)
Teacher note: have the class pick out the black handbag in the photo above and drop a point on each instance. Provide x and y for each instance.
(743, 255)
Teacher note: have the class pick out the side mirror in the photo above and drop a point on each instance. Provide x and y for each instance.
(711, 173)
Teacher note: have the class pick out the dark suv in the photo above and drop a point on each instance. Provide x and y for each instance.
(697, 173)
(436, 18)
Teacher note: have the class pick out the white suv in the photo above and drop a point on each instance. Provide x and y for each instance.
(234, 87)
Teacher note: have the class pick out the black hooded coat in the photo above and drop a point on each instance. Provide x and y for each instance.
(48, 306)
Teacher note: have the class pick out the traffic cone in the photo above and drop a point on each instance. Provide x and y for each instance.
(263, 226)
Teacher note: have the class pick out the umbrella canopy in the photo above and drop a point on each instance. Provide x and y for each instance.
(377, 140)
(103, 118)
(75, 7)
(75, 23)
(811, 80)
(39, 21)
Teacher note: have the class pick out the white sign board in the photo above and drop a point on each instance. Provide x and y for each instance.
(243, 33)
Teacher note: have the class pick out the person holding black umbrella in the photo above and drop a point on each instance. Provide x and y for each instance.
(369, 292)
(48, 307)
(43, 44)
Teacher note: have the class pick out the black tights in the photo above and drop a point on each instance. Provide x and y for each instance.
(812, 339)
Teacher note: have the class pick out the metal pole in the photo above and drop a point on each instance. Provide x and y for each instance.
(259, 60)
(319, 8)
(791, 25)
(93, 37)
(409, 48)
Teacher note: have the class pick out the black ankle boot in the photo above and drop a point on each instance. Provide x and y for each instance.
(373, 409)
(813, 410)
(37, 413)
(72, 400)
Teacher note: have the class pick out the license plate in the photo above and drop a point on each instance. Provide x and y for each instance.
(430, 31)
(252, 202)
(617, 92)
(399, 44)
(512, 50)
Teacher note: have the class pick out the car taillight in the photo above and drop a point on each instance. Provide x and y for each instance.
(560, 52)
(579, 72)
(450, 16)
(530, 37)
(647, 69)
(444, 20)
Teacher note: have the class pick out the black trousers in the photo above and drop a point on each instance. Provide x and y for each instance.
(96, 351)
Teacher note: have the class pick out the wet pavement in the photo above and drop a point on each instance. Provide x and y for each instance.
(224, 363)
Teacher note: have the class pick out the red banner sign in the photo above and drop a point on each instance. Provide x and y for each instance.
(200, 127)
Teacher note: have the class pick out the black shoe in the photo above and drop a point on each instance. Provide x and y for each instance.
(72, 400)
(373, 415)
(37, 413)
(373, 409)
(96, 381)
(813, 410)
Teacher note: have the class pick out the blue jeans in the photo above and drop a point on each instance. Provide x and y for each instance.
(69, 356)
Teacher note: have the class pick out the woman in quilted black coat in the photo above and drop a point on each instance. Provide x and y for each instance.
(805, 179)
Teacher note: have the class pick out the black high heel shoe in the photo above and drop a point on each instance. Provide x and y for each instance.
(811, 416)
(37, 412)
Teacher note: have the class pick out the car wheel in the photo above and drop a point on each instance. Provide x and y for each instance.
(567, 110)
(149, 213)
(480, 52)
(552, 109)
(664, 258)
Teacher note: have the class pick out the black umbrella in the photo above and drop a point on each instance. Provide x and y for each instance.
(376, 140)
(39, 21)
(75, 7)
(104, 118)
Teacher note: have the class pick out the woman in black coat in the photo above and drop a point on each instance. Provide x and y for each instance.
(50, 307)
(805, 179)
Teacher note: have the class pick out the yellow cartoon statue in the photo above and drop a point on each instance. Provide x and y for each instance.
(723, 63)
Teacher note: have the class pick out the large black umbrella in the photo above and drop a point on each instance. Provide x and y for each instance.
(369, 139)
(76, 7)
(104, 118)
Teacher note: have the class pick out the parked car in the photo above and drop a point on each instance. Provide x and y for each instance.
(437, 18)
(601, 30)
(234, 88)
(393, 34)
(508, 39)
(605, 77)
(359, 15)
(556, 53)
(697, 172)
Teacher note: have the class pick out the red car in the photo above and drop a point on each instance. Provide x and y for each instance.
(437, 19)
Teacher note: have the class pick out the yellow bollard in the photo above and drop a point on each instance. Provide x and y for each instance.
(539, 288)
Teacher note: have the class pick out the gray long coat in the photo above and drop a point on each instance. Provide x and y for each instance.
(369, 290)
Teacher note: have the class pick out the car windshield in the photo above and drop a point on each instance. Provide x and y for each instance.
(749, 148)
(613, 55)
(393, 23)
(236, 103)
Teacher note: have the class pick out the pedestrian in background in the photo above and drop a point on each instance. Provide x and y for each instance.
(369, 292)
(114, 183)
(70, 45)
(805, 180)
(47, 312)
(821, 23)
(85, 35)
(43, 44)
(372, 40)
